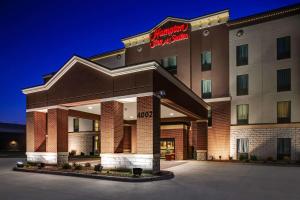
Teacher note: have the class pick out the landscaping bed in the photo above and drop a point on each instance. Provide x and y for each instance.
(96, 172)
(261, 162)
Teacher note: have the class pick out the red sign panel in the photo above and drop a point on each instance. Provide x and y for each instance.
(163, 36)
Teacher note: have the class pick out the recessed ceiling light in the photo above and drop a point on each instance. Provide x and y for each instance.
(171, 114)
(90, 107)
(131, 117)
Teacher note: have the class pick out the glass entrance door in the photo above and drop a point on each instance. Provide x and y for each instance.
(167, 147)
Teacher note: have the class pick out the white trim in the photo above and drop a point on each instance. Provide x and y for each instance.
(45, 109)
(217, 99)
(76, 59)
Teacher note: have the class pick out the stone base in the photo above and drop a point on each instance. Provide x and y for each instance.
(129, 161)
(201, 154)
(47, 157)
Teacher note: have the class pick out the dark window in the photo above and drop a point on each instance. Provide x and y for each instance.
(242, 148)
(283, 80)
(284, 112)
(242, 85)
(283, 47)
(206, 89)
(206, 60)
(95, 125)
(242, 55)
(283, 148)
(76, 124)
(209, 117)
(170, 64)
(242, 113)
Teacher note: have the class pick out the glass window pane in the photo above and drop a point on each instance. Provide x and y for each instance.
(242, 55)
(242, 84)
(283, 47)
(283, 80)
(206, 88)
(284, 112)
(170, 64)
(206, 60)
(242, 114)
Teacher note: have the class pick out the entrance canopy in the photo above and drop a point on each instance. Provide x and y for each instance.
(81, 80)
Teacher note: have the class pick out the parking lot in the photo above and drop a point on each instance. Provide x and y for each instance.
(193, 180)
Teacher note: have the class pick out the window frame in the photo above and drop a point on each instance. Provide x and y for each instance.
(171, 69)
(206, 95)
(283, 54)
(242, 121)
(206, 66)
(281, 120)
(76, 128)
(239, 60)
(239, 90)
(284, 87)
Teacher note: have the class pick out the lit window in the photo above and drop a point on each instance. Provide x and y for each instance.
(96, 125)
(283, 47)
(284, 112)
(242, 55)
(206, 89)
(242, 114)
(206, 60)
(170, 64)
(242, 148)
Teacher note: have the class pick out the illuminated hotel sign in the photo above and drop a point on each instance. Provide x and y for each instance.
(163, 36)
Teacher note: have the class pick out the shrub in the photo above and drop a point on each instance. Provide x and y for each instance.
(270, 158)
(220, 157)
(253, 158)
(98, 168)
(72, 153)
(242, 157)
(78, 166)
(82, 154)
(41, 165)
(137, 171)
(87, 164)
(230, 157)
(66, 166)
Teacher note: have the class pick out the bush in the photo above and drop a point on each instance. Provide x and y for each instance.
(98, 168)
(87, 164)
(41, 165)
(82, 154)
(72, 153)
(137, 171)
(230, 157)
(66, 166)
(78, 167)
(270, 158)
(242, 157)
(253, 158)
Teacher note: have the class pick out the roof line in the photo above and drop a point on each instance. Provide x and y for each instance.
(174, 19)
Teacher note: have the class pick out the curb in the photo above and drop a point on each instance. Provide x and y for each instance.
(166, 175)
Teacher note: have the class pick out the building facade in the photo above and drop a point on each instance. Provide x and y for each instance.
(204, 88)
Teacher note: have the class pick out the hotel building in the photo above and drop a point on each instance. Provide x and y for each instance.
(203, 88)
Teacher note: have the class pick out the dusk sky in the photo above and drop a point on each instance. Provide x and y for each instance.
(38, 36)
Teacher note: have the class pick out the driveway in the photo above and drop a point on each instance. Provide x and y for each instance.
(194, 180)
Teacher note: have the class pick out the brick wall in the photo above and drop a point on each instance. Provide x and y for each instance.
(148, 128)
(81, 142)
(36, 131)
(127, 139)
(181, 140)
(57, 131)
(111, 127)
(219, 133)
(263, 141)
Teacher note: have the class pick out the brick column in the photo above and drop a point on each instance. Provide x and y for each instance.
(36, 132)
(148, 129)
(112, 123)
(57, 141)
(199, 139)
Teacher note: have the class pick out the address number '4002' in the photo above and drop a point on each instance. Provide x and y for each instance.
(144, 114)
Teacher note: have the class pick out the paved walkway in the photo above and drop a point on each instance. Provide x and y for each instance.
(194, 180)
